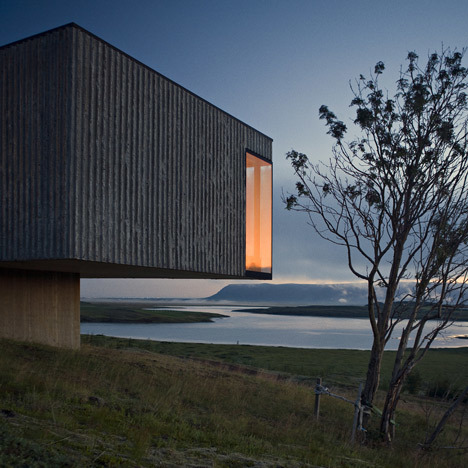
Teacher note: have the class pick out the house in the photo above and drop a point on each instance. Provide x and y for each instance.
(110, 170)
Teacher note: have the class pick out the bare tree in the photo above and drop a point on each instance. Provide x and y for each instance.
(396, 199)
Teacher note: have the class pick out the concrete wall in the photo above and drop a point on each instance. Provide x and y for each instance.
(107, 167)
(41, 307)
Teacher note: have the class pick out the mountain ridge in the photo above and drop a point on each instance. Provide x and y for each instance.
(293, 293)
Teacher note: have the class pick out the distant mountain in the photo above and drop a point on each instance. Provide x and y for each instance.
(294, 294)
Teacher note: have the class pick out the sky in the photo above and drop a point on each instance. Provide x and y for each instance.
(270, 63)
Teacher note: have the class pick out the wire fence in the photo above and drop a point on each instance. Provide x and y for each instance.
(359, 408)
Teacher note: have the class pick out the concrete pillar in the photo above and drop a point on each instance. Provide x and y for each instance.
(41, 307)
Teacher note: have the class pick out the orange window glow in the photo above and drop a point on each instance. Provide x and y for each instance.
(258, 215)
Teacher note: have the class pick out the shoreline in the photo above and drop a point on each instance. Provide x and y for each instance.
(134, 313)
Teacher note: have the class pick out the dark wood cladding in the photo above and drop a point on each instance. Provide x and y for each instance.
(105, 160)
(35, 108)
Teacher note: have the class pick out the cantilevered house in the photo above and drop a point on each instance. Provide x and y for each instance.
(109, 169)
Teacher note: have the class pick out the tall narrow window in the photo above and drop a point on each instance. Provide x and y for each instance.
(258, 217)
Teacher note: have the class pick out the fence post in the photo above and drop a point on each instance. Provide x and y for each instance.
(357, 413)
(317, 398)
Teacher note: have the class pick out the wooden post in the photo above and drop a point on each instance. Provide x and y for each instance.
(357, 413)
(317, 398)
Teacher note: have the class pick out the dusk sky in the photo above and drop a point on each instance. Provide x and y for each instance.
(270, 63)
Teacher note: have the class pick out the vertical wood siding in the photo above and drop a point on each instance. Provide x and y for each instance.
(34, 150)
(103, 159)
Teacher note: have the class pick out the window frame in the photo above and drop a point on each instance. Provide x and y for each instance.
(252, 273)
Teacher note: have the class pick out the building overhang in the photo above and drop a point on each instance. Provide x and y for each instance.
(89, 269)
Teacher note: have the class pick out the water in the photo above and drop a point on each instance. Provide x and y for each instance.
(269, 330)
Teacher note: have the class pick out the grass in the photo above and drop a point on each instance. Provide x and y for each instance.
(337, 366)
(313, 311)
(134, 313)
(124, 403)
(344, 311)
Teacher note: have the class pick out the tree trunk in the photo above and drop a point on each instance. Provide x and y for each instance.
(372, 377)
(387, 426)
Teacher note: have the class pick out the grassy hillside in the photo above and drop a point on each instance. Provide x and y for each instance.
(130, 406)
(442, 368)
(131, 312)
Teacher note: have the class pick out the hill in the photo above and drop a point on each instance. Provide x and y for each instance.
(293, 294)
(127, 403)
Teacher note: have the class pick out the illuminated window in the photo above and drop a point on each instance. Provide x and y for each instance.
(258, 216)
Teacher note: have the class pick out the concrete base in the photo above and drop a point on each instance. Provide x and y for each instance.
(41, 307)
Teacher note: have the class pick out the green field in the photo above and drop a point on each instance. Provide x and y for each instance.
(441, 367)
(313, 311)
(139, 403)
(333, 311)
(131, 312)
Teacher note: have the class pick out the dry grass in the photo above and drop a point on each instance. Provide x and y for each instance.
(131, 407)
